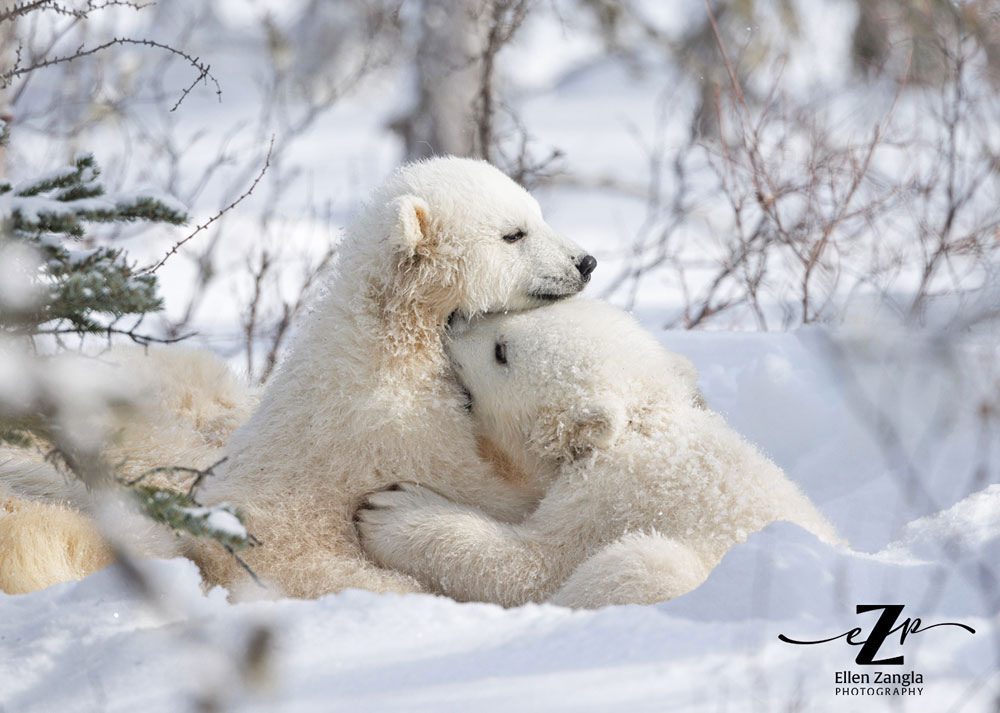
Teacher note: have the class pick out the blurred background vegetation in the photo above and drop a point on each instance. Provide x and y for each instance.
(748, 164)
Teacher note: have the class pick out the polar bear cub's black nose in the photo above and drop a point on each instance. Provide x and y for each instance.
(586, 266)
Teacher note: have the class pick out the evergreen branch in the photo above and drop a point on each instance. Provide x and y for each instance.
(79, 284)
(75, 193)
(38, 423)
(179, 244)
(204, 72)
(147, 208)
(183, 513)
(65, 211)
(47, 222)
(99, 282)
(67, 178)
(178, 510)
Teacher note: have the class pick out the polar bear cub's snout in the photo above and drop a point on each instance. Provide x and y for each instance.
(586, 266)
(569, 268)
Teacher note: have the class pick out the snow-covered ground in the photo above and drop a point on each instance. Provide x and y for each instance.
(891, 433)
(97, 646)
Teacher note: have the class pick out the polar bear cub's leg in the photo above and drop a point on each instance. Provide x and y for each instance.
(42, 544)
(458, 550)
(192, 403)
(637, 569)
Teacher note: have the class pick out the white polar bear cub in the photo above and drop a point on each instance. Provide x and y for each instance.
(645, 489)
(366, 396)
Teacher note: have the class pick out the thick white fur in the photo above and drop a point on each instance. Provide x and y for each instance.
(42, 544)
(640, 568)
(365, 397)
(188, 404)
(645, 488)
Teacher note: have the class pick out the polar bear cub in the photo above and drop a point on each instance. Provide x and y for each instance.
(645, 489)
(366, 396)
(191, 402)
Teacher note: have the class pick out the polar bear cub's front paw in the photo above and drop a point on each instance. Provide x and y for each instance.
(398, 526)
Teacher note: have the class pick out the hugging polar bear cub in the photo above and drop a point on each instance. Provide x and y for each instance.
(365, 397)
(645, 489)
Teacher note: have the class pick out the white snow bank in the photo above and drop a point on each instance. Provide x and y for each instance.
(94, 645)
(888, 431)
(90, 645)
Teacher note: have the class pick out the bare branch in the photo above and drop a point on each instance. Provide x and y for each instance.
(204, 72)
(506, 17)
(246, 194)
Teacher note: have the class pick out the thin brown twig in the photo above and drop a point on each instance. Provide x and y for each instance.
(204, 72)
(141, 339)
(199, 472)
(288, 314)
(246, 194)
(725, 57)
(506, 17)
(258, 291)
(15, 11)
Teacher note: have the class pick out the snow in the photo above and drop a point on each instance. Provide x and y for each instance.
(219, 520)
(148, 193)
(81, 393)
(57, 174)
(98, 644)
(32, 208)
(883, 429)
(226, 523)
(358, 651)
(18, 265)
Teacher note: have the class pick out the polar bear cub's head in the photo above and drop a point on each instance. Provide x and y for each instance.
(465, 236)
(554, 384)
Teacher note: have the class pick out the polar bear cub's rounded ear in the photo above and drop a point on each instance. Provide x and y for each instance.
(577, 433)
(597, 427)
(412, 216)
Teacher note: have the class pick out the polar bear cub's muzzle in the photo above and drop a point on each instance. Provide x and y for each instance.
(578, 268)
(556, 288)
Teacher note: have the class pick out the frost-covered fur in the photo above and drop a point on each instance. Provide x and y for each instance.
(645, 488)
(365, 397)
(188, 403)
